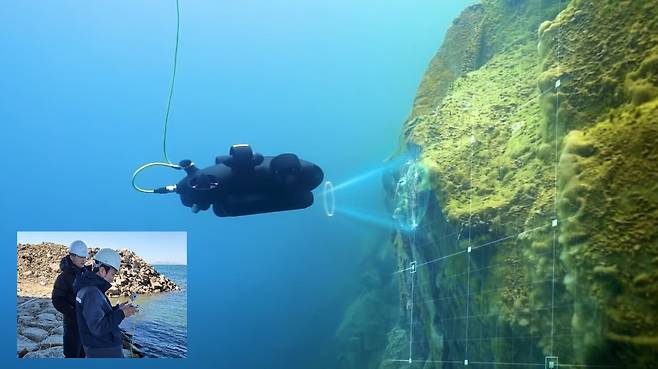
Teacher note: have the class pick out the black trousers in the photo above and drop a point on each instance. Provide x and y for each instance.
(72, 344)
(104, 352)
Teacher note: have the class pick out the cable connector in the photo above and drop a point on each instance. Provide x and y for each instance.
(165, 189)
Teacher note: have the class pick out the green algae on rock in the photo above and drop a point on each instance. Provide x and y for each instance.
(538, 123)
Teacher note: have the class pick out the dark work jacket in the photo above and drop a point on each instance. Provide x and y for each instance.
(63, 296)
(98, 321)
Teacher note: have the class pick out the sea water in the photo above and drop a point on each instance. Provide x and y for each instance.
(329, 81)
(159, 329)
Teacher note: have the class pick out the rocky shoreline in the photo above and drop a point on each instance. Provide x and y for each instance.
(38, 267)
(40, 331)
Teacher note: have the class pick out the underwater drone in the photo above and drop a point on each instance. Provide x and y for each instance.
(245, 183)
(241, 183)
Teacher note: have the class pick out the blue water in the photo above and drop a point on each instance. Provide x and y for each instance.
(82, 97)
(160, 327)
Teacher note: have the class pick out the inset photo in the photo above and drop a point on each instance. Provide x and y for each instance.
(101, 295)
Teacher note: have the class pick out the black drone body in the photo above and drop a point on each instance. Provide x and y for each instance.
(244, 183)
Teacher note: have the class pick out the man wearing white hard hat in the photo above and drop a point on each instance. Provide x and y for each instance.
(63, 296)
(98, 320)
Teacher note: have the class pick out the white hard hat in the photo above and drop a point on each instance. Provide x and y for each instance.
(108, 257)
(79, 248)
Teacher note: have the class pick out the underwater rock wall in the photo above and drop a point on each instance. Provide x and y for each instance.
(538, 123)
(361, 335)
(608, 175)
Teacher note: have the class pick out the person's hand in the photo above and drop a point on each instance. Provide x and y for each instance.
(128, 310)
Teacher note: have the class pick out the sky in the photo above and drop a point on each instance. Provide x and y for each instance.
(154, 247)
